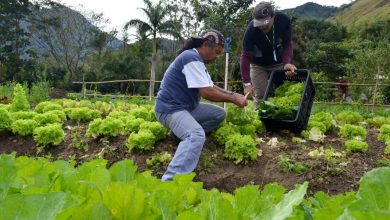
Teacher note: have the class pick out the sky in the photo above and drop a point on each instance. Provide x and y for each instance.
(118, 12)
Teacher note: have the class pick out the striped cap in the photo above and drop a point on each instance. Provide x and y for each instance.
(214, 36)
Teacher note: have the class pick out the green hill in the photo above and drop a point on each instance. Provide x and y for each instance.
(362, 12)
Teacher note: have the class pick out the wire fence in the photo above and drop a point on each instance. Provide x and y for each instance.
(327, 92)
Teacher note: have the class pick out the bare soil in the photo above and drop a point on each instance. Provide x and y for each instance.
(333, 177)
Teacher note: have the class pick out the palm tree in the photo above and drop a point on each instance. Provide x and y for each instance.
(157, 23)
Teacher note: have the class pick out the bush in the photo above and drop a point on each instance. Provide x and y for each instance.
(24, 126)
(51, 134)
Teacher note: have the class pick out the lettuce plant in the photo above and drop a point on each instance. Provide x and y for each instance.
(5, 120)
(19, 102)
(353, 131)
(22, 115)
(356, 146)
(241, 148)
(144, 140)
(384, 133)
(223, 132)
(23, 126)
(47, 118)
(51, 134)
(83, 114)
(158, 130)
(348, 117)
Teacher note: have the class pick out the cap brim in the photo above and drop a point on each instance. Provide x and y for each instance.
(261, 22)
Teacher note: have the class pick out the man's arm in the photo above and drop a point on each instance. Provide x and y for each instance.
(217, 94)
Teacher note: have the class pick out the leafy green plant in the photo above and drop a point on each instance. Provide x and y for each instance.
(290, 166)
(144, 140)
(22, 115)
(47, 118)
(159, 159)
(5, 120)
(39, 108)
(19, 102)
(103, 107)
(378, 121)
(94, 128)
(78, 140)
(384, 133)
(83, 114)
(50, 107)
(353, 131)
(111, 127)
(322, 120)
(51, 134)
(387, 148)
(240, 116)
(24, 126)
(356, 146)
(158, 130)
(40, 91)
(241, 148)
(133, 125)
(224, 131)
(348, 117)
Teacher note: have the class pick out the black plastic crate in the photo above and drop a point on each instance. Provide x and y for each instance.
(299, 123)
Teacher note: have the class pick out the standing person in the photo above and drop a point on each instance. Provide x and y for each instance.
(178, 104)
(266, 47)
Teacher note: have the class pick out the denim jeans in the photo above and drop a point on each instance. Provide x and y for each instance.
(190, 128)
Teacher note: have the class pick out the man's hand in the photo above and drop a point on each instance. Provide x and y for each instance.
(249, 90)
(239, 100)
(290, 69)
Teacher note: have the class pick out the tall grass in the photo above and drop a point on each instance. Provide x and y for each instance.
(39, 91)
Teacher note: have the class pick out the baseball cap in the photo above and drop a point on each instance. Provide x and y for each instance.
(262, 14)
(214, 36)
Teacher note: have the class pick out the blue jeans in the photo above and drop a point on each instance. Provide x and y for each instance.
(190, 128)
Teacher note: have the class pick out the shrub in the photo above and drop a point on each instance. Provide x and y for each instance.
(24, 126)
(356, 146)
(143, 140)
(19, 102)
(51, 134)
(353, 131)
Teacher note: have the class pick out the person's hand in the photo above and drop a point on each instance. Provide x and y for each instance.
(249, 90)
(290, 69)
(240, 100)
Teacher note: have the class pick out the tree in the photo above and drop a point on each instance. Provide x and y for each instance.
(14, 53)
(156, 24)
(68, 37)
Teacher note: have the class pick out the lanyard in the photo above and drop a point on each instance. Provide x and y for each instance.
(273, 42)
